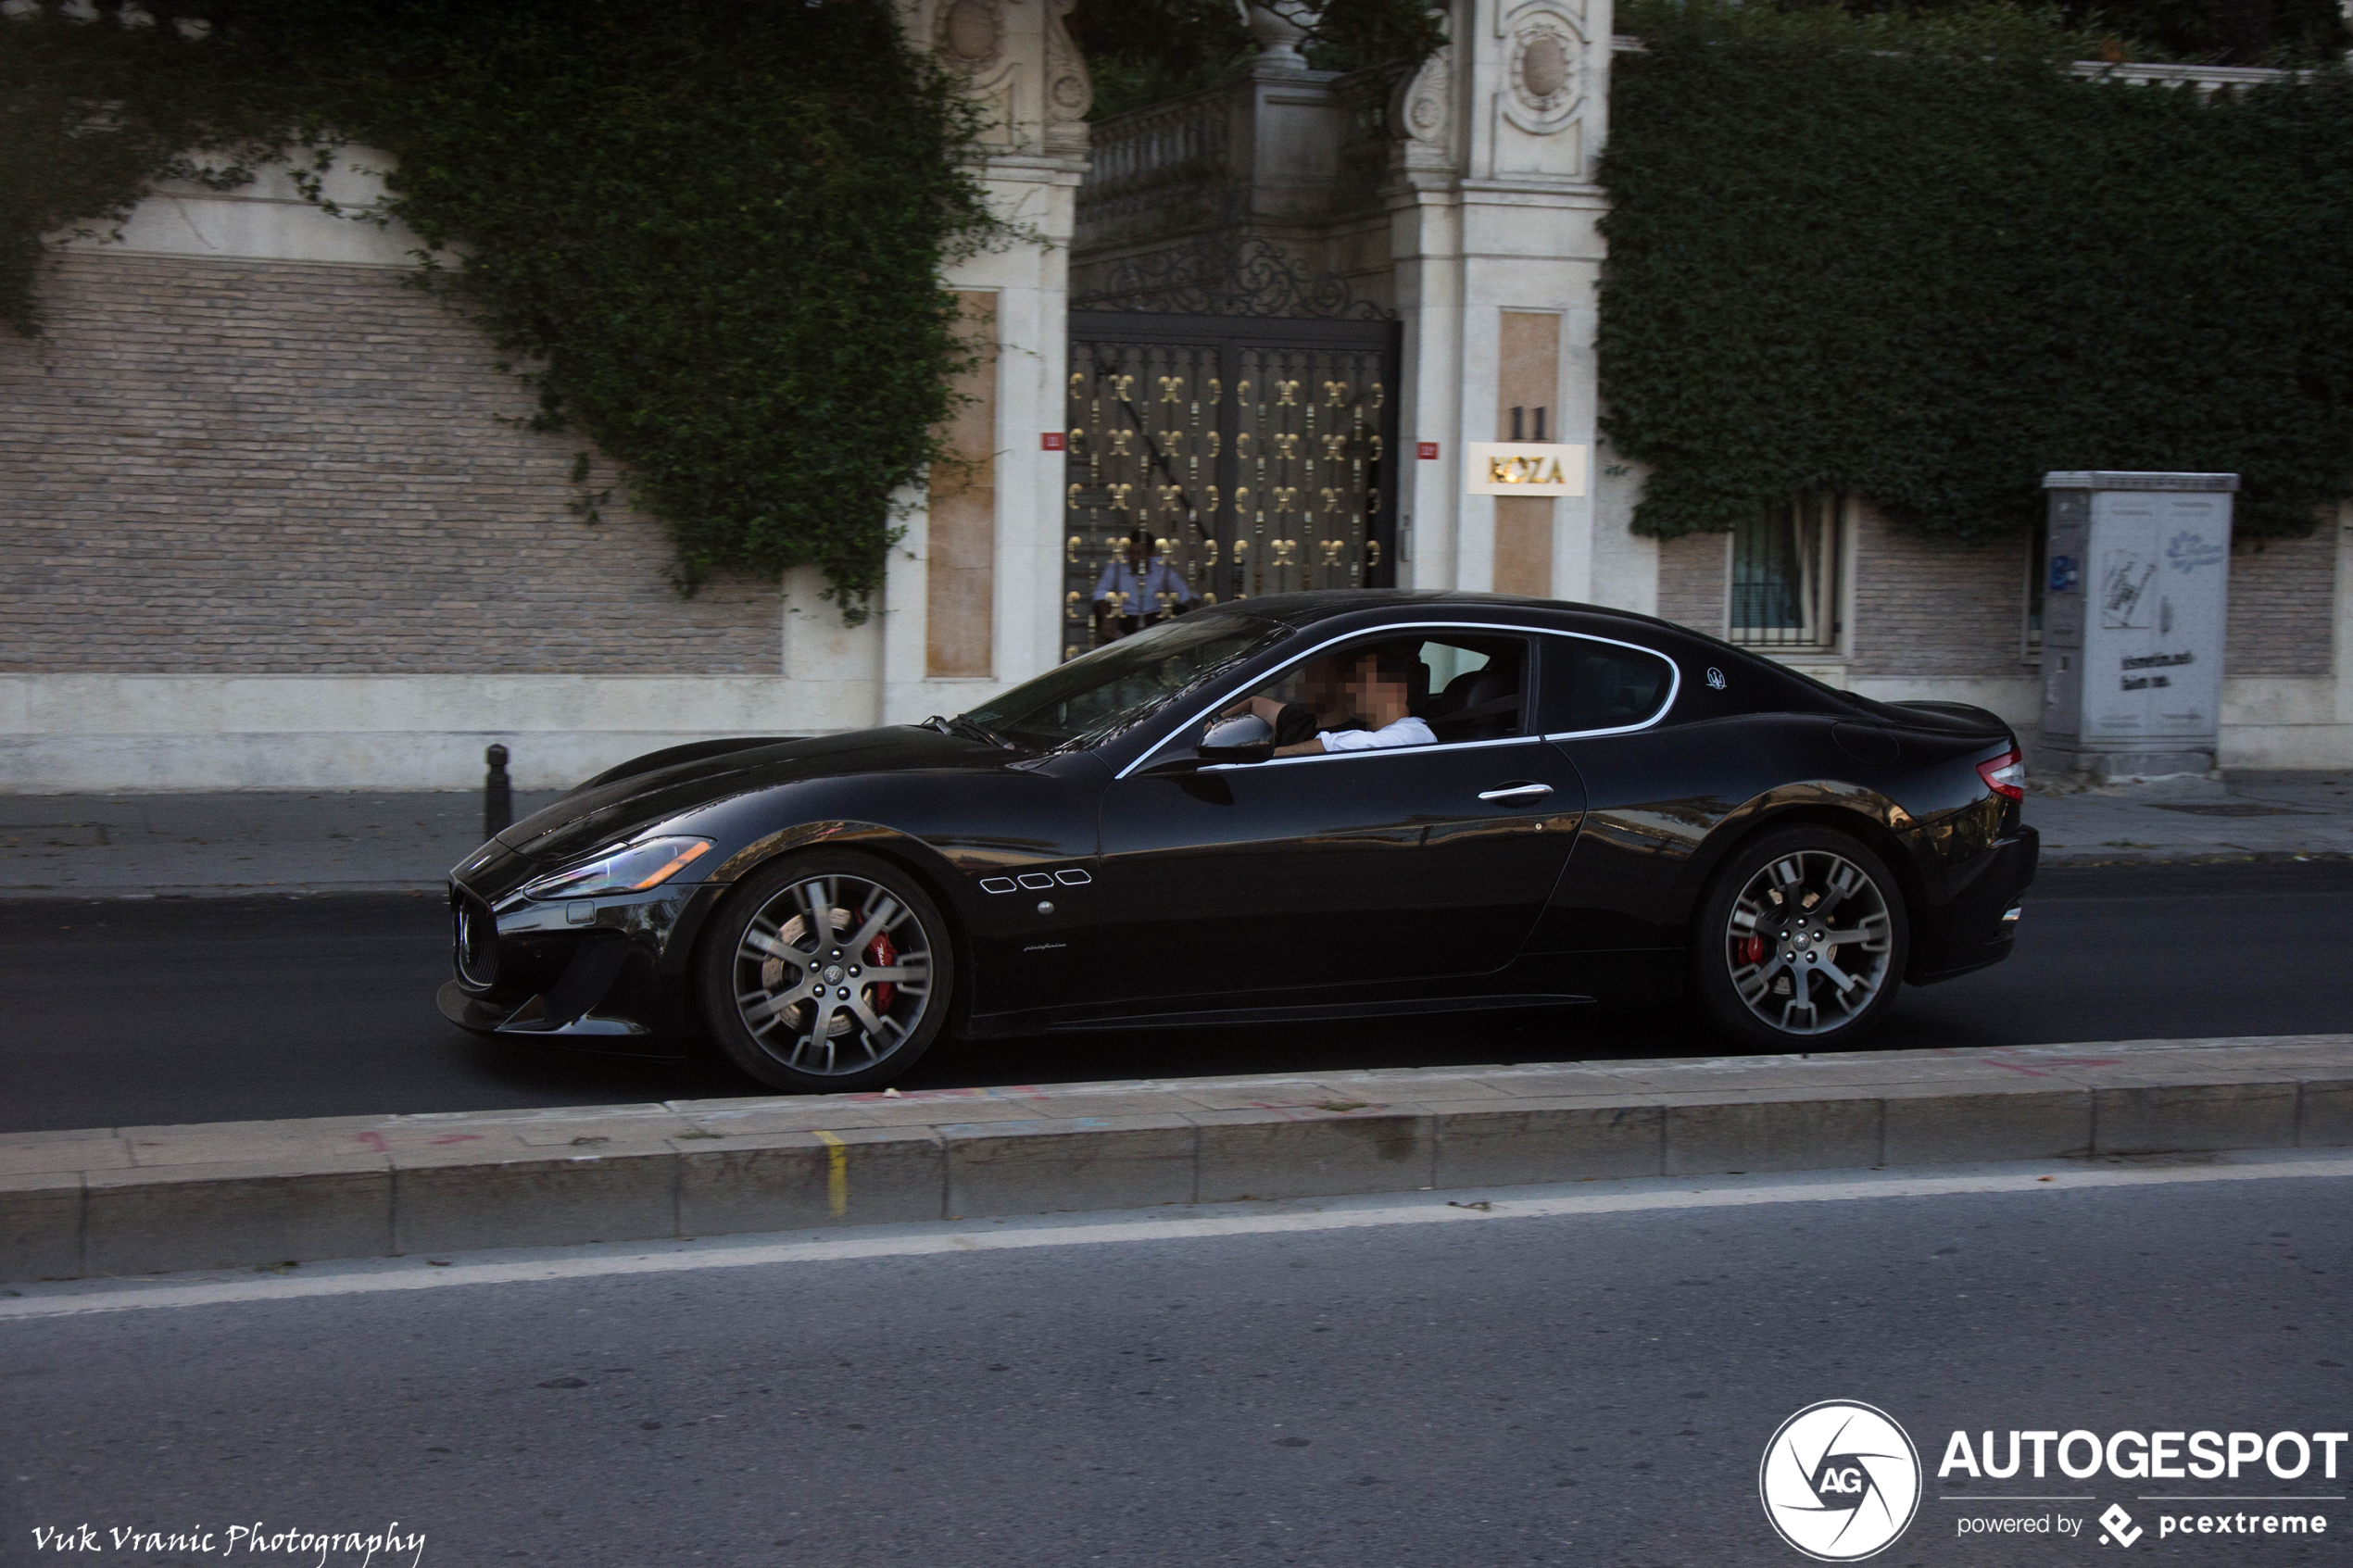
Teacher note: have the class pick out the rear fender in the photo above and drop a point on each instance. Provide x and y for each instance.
(1872, 818)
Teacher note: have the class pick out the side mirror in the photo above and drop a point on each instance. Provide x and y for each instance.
(1247, 738)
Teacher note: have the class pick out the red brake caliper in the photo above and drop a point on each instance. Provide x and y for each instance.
(882, 955)
(1751, 949)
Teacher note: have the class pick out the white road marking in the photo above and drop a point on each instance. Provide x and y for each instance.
(78, 1299)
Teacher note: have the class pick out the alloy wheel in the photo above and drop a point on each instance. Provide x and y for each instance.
(833, 974)
(1809, 942)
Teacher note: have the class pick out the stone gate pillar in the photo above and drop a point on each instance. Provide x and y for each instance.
(1494, 214)
(970, 602)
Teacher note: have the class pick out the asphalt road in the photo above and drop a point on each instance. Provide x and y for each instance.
(1586, 1388)
(125, 1013)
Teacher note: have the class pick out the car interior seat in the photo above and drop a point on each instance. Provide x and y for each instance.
(1481, 703)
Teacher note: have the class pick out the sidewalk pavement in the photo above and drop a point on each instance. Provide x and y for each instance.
(262, 842)
(250, 842)
(2247, 815)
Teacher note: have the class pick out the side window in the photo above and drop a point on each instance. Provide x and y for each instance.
(1591, 685)
(1460, 688)
(1478, 687)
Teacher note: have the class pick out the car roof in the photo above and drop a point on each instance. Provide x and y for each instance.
(1326, 604)
(1787, 687)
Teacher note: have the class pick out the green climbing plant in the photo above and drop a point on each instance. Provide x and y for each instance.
(1915, 258)
(710, 234)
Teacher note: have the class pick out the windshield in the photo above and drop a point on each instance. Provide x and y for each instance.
(1099, 694)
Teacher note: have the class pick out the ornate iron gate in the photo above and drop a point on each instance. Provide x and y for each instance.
(1260, 453)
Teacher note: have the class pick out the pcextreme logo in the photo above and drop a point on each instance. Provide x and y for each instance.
(1840, 1481)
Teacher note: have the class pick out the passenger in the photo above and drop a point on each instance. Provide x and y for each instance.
(1360, 701)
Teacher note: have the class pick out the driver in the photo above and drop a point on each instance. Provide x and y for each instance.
(1359, 700)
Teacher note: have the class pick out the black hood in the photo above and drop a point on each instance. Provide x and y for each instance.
(640, 794)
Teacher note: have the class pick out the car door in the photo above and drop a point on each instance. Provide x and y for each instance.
(1652, 795)
(1256, 882)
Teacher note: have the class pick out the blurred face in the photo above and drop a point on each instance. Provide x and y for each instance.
(1139, 551)
(1370, 692)
(1325, 684)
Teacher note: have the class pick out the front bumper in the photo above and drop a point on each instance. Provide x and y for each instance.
(1980, 923)
(608, 969)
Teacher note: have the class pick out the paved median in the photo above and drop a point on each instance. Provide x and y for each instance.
(257, 1194)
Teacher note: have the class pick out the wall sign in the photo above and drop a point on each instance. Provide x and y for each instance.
(1525, 468)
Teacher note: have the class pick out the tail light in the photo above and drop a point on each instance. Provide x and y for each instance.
(2005, 774)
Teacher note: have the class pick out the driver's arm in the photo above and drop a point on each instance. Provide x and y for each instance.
(1265, 707)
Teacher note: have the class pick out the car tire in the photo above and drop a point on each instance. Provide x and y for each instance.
(1800, 942)
(853, 1010)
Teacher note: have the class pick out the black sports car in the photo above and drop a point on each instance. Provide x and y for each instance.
(1317, 804)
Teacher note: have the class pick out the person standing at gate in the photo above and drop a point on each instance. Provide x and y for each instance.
(1137, 590)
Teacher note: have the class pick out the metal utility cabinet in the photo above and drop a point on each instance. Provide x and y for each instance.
(2138, 569)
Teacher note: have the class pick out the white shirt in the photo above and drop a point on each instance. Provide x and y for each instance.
(1405, 732)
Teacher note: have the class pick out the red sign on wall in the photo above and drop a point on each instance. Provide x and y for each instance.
(1426, 450)
(1052, 441)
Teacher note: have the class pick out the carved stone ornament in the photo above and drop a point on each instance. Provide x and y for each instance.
(969, 34)
(1423, 113)
(1547, 54)
(1069, 95)
(1243, 275)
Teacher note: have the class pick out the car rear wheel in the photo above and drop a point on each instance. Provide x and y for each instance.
(826, 972)
(1801, 942)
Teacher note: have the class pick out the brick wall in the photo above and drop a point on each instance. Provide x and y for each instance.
(1924, 606)
(260, 467)
(1695, 580)
(1928, 607)
(2283, 606)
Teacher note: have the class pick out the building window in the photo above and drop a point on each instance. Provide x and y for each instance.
(1785, 576)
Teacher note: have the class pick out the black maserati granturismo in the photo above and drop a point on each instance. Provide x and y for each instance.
(1322, 804)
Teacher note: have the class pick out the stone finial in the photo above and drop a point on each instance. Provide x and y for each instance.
(1279, 26)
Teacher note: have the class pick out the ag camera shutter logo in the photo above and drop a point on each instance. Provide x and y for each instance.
(1840, 1481)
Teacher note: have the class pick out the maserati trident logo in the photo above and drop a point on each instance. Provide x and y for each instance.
(1840, 1481)
(1714, 679)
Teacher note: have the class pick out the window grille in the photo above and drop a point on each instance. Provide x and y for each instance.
(1785, 576)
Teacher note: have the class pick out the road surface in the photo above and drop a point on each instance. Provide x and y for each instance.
(1583, 1387)
(127, 1014)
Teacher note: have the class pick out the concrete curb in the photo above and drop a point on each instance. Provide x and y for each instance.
(235, 1195)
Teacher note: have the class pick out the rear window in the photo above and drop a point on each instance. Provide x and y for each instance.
(1591, 685)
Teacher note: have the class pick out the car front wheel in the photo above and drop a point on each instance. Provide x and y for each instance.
(1801, 942)
(826, 972)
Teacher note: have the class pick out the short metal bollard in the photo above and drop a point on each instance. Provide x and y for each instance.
(497, 795)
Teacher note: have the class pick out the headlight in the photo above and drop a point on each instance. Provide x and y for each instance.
(633, 870)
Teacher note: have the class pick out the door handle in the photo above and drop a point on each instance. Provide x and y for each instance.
(1516, 794)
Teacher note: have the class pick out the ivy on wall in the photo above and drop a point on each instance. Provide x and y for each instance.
(2241, 32)
(710, 233)
(1916, 259)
